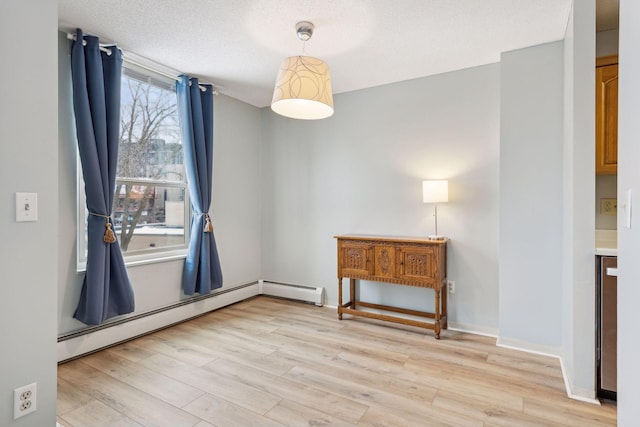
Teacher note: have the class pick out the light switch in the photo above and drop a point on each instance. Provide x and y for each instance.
(26, 207)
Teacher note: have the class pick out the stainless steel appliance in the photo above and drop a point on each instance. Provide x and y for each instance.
(607, 327)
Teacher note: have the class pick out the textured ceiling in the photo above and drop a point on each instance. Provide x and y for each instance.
(238, 44)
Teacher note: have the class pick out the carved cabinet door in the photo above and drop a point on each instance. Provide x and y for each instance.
(355, 259)
(418, 264)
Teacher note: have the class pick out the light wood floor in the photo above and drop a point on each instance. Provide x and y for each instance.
(270, 362)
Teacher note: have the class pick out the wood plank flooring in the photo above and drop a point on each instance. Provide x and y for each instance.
(272, 362)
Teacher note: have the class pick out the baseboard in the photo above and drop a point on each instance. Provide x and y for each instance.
(74, 345)
(473, 329)
(290, 291)
(582, 395)
(542, 350)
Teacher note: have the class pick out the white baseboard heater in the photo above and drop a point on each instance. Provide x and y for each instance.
(89, 340)
(289, 291)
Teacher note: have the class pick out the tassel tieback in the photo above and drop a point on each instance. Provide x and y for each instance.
(109, 235)
(208, 226)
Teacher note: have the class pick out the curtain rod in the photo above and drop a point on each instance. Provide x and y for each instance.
(105, 48)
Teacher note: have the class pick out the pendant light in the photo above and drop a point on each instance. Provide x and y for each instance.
(303, 86)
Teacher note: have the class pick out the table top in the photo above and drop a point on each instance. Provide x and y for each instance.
(391, 238)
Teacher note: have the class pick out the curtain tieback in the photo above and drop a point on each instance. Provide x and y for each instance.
(208, 226)
(109, 235)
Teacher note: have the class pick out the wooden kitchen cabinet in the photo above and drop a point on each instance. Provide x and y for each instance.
(403, 261)
(607, 115)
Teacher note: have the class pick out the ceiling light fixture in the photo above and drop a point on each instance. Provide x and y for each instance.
(303, 86)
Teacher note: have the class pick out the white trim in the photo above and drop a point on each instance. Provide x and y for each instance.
(570, 392)
(528, 347)
(144, 259)
(550, 352)
(473, 329)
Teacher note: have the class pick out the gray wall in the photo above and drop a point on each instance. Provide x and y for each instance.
(531, 136)
(235, 213)
(361, 171)
(628, 238)
(28, 151)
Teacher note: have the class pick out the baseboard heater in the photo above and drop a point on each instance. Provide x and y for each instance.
(90, 340)
(291, 291)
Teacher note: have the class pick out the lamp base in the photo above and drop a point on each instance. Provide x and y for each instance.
(434, 237)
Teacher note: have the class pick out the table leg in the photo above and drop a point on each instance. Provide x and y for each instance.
(445, 291)
(340, 298)
(352, 292)
(436, 326)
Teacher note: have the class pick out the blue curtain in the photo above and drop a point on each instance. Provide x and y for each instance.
(106, 290)
(202, 271)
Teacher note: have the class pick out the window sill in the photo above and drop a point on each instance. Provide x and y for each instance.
(144, 259)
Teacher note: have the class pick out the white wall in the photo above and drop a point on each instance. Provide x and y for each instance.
(235, 213)
(361, 171)
(531, 136)
(578, 284)
(28, 150)
(628, 238)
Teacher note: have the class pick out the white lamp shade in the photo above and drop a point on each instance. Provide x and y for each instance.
(303, 89)
(435, 191)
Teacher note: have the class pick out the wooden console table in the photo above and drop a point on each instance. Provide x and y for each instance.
(404, 261)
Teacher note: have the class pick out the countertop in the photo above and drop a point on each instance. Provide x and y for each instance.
(607, 242)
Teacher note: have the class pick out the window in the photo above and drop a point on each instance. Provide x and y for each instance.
(151, 209)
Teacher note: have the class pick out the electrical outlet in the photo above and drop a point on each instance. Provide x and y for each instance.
(608, 206)
(24, 400)
(452, 286)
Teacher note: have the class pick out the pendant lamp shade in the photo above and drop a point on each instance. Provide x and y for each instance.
(303, 89)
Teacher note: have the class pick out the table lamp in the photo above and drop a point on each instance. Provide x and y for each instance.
(435, 192)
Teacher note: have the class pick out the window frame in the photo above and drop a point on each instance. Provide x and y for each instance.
(143, 256)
